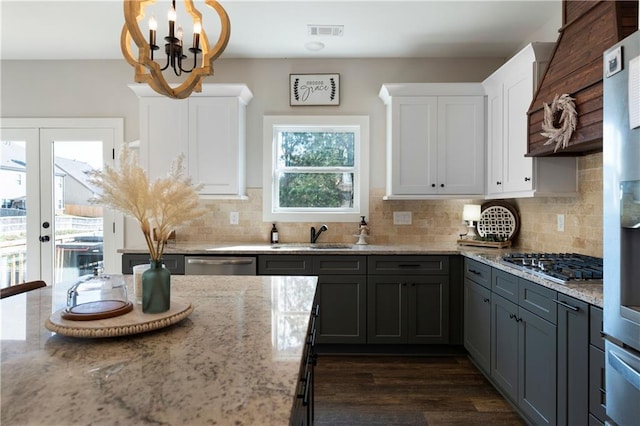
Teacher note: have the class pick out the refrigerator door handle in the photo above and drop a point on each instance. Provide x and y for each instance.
(625, 370)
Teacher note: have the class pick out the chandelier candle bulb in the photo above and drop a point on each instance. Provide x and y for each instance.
(172, 24)
(153, 26)
(197, 27)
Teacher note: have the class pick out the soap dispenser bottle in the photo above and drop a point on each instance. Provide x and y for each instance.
(274, 234)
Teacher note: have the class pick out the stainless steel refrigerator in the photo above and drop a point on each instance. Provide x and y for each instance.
(621, 221)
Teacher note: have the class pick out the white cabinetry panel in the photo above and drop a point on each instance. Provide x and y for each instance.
(208, 128)
(509, 94)
(435, 140)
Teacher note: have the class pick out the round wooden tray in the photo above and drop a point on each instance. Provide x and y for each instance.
(100, 309)
(133, 322)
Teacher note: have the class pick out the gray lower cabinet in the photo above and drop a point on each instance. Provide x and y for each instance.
(408, 299)
(524, 345)
(173, 262)
(573, 361)
(341, 293)
(597, 380)
(477, 313)
(408, 309)
(477, 323)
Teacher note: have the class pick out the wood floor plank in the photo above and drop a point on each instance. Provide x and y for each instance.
(406, 390)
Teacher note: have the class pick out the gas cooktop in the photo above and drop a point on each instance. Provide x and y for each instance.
(561, 268)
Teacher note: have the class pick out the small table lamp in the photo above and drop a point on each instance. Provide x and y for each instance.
(471, 214)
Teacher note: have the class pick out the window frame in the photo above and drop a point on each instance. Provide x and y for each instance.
(272, 125)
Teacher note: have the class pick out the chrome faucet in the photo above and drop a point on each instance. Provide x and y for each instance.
(314, 236)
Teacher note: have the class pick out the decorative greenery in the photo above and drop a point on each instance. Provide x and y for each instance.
(161, 206)
(568, 118)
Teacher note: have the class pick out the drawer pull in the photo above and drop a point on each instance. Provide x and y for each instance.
(409, 265)
(573, 308)
(473, 271)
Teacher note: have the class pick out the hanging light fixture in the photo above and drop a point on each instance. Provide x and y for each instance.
(148, 71)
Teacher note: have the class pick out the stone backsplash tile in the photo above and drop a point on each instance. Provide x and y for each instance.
(432, 220)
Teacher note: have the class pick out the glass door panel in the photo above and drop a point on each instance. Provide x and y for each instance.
(18, 172)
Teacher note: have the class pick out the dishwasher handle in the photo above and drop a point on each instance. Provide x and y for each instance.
(201, 261)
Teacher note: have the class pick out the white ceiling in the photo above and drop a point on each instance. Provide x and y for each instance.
(90, 29)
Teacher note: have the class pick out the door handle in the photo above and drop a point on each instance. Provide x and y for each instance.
(625, 370)
(44, 238)
(566, 305)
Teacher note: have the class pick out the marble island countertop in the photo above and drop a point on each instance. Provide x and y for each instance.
(234, 361)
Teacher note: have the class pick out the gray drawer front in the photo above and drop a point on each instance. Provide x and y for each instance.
(595, 328)
(173, 262)
(340, 265)
(478, 272)
(505, 284)
(285, 265)
(597, 392)
(408, 265)
(538, 300)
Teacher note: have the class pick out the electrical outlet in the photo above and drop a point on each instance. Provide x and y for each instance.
(234, 218)
(402, 218)
(560, 223)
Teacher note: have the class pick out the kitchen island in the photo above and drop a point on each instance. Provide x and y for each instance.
(234, 360)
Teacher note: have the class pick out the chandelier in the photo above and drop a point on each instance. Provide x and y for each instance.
(148, 71)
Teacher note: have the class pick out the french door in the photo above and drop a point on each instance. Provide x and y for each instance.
(49, 228)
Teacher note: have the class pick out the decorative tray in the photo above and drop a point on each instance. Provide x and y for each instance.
(499, 219)
(480, 243)
(133, 322)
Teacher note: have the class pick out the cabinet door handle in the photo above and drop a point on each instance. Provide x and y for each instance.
(573, 308)
(498, 183)
(527, 179)
(486, 300)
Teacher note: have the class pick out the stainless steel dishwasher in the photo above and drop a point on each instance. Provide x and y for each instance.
(218, 265)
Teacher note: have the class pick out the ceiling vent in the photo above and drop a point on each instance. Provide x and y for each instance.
(325, 30)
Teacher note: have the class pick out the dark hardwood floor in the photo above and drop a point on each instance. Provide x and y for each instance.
(412, 390)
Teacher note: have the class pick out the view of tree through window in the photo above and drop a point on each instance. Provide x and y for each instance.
(315, 169)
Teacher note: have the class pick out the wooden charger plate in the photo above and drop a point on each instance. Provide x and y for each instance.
(100, 309)
(133, 322)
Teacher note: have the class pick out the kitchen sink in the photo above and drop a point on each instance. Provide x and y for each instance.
(315, 246)
(329, 246)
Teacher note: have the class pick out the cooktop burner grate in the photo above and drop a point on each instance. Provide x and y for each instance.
(561, 268)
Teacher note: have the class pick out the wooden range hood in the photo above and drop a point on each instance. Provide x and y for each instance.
(588, 29)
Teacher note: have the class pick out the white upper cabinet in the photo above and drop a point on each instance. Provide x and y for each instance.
(509, 92)
(208, 128)
(435, 140)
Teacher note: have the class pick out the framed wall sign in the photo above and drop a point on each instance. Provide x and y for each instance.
(314, 89)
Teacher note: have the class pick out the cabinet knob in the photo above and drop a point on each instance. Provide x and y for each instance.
(433, 185)
(442, 185)
(527, 179)
(498, 183)
(486, 300)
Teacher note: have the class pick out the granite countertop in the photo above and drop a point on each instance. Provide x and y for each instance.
(301, 248)
(590, 293)
(234, 360)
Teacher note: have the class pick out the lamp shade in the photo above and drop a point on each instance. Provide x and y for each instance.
(471, 212)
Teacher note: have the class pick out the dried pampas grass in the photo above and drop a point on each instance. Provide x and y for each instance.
(163, 205)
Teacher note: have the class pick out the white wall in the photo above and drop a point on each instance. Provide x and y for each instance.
(99, 89)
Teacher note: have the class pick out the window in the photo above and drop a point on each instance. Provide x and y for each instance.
(316, 168)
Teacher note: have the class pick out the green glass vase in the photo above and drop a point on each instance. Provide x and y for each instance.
(156, 288)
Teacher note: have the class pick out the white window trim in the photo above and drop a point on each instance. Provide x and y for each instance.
(270, 124)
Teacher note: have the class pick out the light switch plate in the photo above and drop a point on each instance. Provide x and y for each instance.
(560, 223)
(402, 218)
